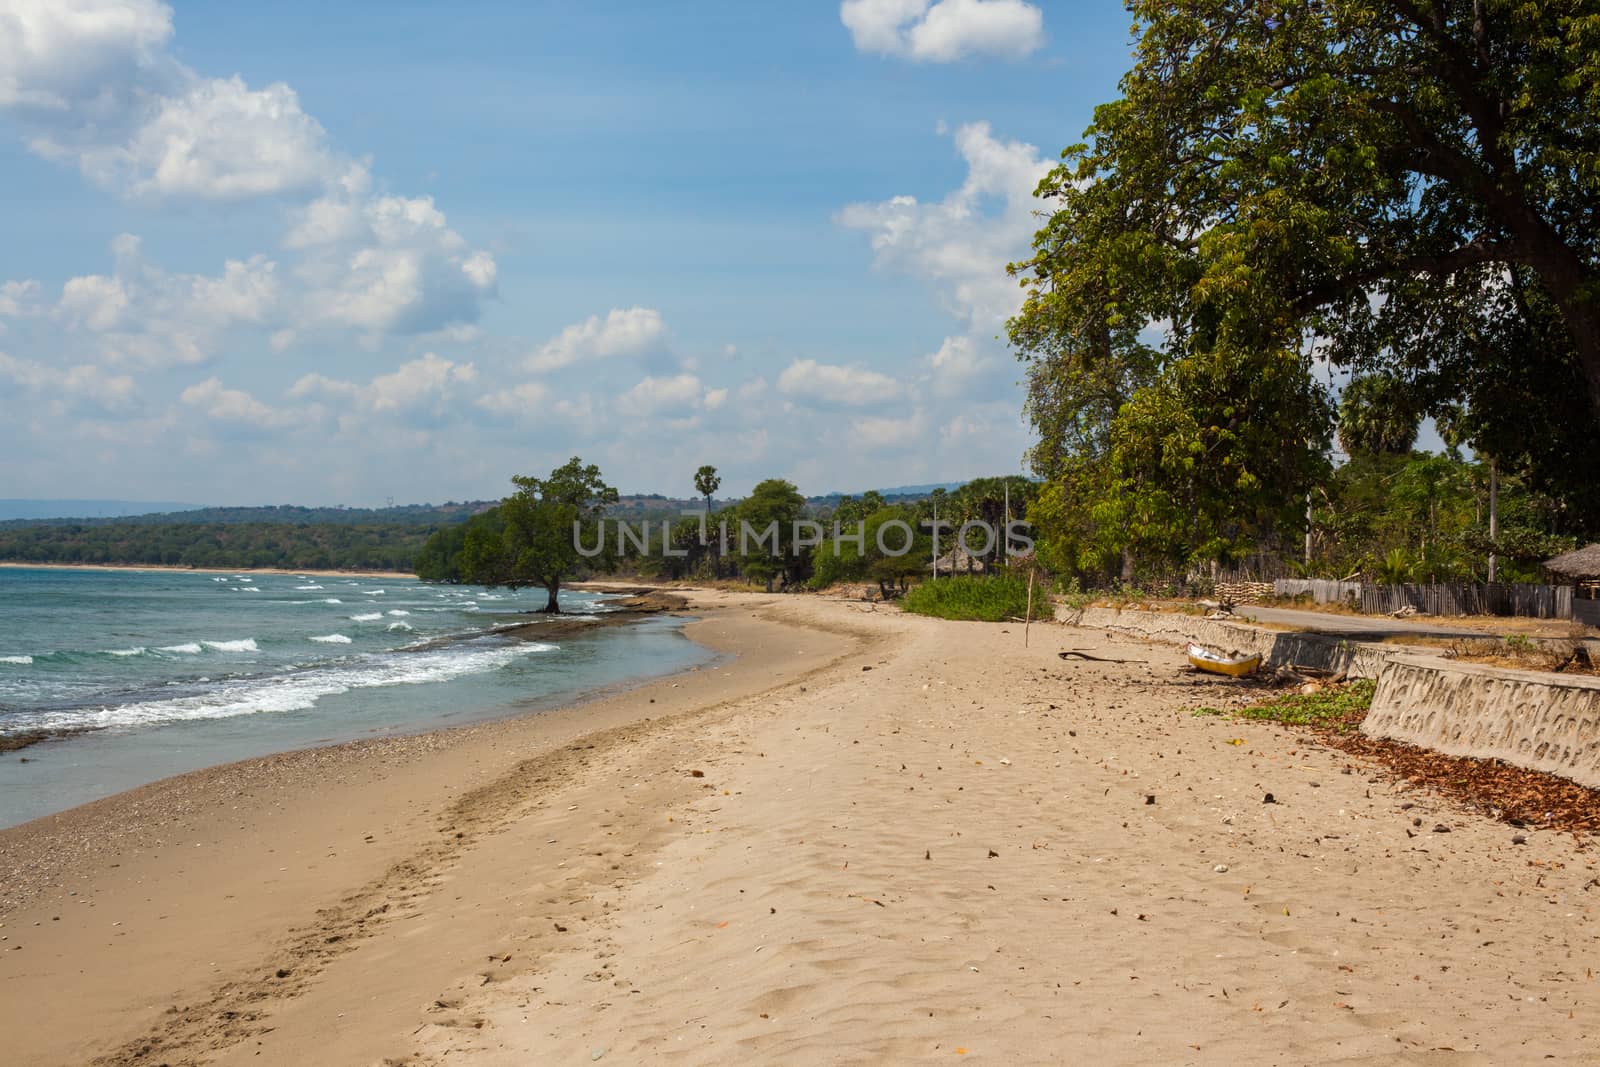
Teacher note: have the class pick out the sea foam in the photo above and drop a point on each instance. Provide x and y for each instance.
(297, 692)
(247, 644)
(188, 648)
(21, 661)
(371, 616)
(333, 639)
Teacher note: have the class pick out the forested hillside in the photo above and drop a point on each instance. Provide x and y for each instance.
(295, 546)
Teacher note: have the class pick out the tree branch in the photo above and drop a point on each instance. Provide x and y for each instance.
(1474, 254)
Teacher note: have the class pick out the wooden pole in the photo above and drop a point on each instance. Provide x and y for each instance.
(1494, 518)
(1027, 618)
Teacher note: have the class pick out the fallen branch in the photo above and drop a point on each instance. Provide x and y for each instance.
(1071, 653)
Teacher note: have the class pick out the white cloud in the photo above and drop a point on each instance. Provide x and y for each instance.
(58, 56)
(515, 401)
(19, 298)
(386, 263)
(678, 394)
(623, 332)
(94, 83)
(944, 31)
(144, 314)
(220, 140)
(82, 385)
(956, 366)
(834, 386)
(218, 402)
(886, 432)
(426, 384)
(963, 242)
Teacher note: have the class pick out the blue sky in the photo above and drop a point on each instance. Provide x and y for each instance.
(344, 252)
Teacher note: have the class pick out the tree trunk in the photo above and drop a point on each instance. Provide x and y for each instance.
(1494, 519)
(1583, 320)
(551, 606)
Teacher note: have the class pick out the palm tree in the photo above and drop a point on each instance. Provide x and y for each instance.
(706, 483)
(1377, 416)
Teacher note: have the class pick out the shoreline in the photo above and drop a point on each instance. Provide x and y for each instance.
(217, 834)
(865, 837)
(164, 568)
(635, 605)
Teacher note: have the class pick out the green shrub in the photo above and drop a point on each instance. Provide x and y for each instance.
(982, 599)
(1342, 707)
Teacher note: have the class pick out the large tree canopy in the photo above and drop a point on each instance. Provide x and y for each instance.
(532, 537)
(1399, 187)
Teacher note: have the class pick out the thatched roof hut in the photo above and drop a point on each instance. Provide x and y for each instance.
(1579, 565)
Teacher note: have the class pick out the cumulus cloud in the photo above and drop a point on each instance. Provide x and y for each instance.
(94, 83)
(956, 366)
(944, 31)
(422, 385)
(78, 387)
(386, 263)
(676, 395)
(963, 242)
(142, 314)
(623, 332)
(19, 298)
(887, 432)
(515, 401)
(216, 401)
(60, 56)
(827, 385)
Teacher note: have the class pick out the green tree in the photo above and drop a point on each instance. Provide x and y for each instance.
(706, 483)
(770, 510)
(1404, 180)
(1377, 414)
(534, 537)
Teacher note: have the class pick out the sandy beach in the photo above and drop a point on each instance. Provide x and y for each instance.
(857, 837)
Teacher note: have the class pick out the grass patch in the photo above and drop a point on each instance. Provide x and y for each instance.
(972, 598)
(1340, 707)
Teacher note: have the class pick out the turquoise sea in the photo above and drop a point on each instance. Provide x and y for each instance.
(171, 671)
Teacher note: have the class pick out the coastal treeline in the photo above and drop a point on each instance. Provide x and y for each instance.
(1310, 226)
(554, 528)
(292, 546)
(426, 515)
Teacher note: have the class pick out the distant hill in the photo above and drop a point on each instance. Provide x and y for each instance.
(85, 509)
(428, 515)
(896, 494)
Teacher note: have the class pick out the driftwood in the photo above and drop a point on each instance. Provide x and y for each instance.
(1073, 653)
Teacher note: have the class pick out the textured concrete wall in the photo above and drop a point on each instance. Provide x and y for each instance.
(1278, 648)
(1534, 719)
(1542, 721)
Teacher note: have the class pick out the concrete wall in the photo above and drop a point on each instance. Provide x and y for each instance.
(1534, 719)
(1278, 648)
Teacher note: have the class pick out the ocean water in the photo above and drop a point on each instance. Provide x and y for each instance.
(171, 671)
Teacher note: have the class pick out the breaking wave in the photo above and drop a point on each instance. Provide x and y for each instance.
(295, 692)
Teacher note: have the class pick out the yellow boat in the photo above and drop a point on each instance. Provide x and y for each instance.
(1234, 666)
